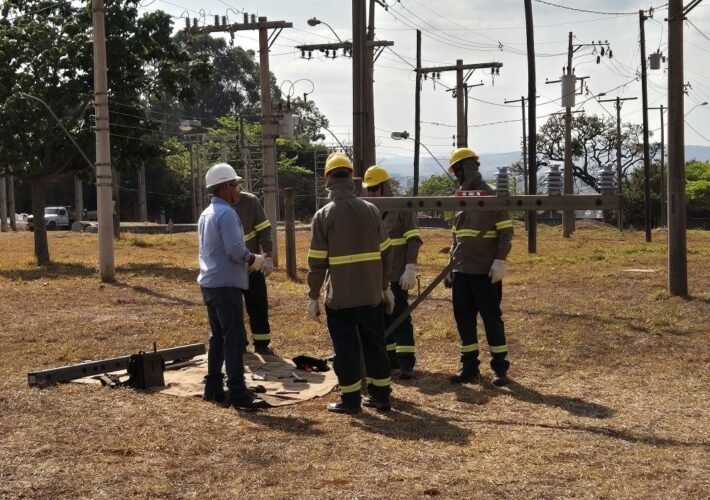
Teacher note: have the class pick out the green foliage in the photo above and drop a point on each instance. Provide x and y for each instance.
(439, 185)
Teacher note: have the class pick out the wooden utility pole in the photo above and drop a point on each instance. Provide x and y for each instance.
(289, 212)
(369, 156)
(461, 127)
(78, 197)
(4, 227)
(664, 222)
(677, 244)
(104, 178)
(646, 155)
(359, 116)
(142, 196)
(532, 125)
(619, 174)
(11, 201)
(268, 134)
(417, 115)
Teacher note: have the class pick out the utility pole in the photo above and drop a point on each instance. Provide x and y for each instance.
(619, 175)
(646, 158)
(664, 222)
(3, 205)
(532, 124)
(369, 156)
(677, 244)
(359, 117)
(11, 201)
(78, 197)
(525, 145)
(104, 178)
(417, 114)
(267, 124)
(142, 197)
(461, 127)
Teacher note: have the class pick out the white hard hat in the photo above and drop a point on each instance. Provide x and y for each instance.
(219, 173)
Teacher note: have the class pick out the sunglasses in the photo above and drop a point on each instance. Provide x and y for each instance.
(372, 189)
(233, 184)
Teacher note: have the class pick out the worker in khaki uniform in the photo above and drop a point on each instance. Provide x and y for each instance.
(481, 243)
(351, 253)
(403, 231)
(257, 237)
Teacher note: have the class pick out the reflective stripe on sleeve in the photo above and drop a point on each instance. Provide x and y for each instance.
(411, 234)
(391, 347)
(504, 224)
(262, 225)
(249, 236)
(385, 245)
(406, 349)
(398, 241)
(317, 254)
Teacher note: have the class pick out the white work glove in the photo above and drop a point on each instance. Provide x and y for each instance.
(409, 277)
(388, 299)
(268, 266)
(497, 271)
(313, 309)
(258, 263)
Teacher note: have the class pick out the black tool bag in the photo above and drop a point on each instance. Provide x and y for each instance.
(145, 370)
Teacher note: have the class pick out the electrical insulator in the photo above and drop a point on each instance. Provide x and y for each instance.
(194, 22)
(502, 182)
(497, 71)
(609, 53)
(553, 182)
(345, 51)
(253, 18)
(187, 24)
(493, 71)
(216, 20)
(303, 54)
(246, 18)
(599, 59)
(602, 50)
(606, 181)
(310, 54)
(224, 20)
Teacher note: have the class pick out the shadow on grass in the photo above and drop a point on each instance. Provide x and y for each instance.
(291, 424)
(157, 295)
(411, 422)
(478, 394)
(161, 271)
(54, 270)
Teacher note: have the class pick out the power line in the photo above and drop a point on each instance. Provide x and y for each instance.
(595, 11)
(697, 29)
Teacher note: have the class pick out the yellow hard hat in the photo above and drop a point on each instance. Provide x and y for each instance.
(461, 154)
(374, 176)
(337, 160)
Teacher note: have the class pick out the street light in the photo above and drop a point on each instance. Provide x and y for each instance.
(315, 22)
(697, 105)
(400, 136)
(188, 125)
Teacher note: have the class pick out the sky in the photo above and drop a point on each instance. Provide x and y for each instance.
(474, 31)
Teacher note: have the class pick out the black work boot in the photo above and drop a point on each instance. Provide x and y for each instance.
(467, 373)
(245, 400)
(500, 379)
(214, 394)
(263, 349)
(379, 404)
(340, 407)
(406, 367)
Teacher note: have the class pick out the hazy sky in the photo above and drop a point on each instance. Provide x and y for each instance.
(473, 31)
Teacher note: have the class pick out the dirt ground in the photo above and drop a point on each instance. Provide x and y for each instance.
(610, 396)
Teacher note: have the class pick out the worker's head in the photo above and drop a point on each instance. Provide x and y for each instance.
(338, 165)
(464, 164)
(377, 182)
(223, 182)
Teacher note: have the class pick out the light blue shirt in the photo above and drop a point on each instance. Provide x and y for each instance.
(223, 254)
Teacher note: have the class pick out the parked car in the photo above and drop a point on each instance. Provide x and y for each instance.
(54, 218)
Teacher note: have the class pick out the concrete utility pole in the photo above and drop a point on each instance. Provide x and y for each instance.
(3, 205)
(677, 243)
(369, 155)
(619, 176)
(359, 115)
(417, 115)
(104, 177)
(646, 155)
(268, 132)
(461, 126)
(78, 197)
(11, 201)
(664, 222)
(568, 215)
(532, 124)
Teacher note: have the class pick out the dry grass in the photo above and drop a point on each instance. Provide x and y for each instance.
(611, 398)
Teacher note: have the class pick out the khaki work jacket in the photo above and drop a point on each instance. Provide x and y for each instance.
(257, 228)
(403, 231)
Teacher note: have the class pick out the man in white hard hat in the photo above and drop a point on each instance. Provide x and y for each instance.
(225, 263)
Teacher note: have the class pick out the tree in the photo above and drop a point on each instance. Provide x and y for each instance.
(438, 185)
(594, 142)
(47, 52)
(697, 189)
